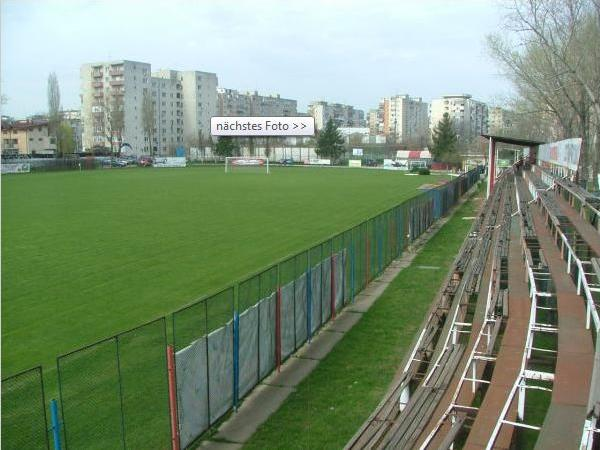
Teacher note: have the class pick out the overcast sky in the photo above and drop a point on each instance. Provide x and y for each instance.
(342, 51)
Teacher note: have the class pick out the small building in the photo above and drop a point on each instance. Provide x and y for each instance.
(27, 138)
(413, 158)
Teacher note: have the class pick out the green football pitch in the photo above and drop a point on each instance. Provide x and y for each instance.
(86, 255)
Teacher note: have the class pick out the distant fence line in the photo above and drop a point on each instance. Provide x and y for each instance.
(139, 389)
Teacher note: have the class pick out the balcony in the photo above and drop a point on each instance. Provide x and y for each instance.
(117, 82)
(98, 94)
(116, 71)
(118, 92)
(97, 84)
(97, 73)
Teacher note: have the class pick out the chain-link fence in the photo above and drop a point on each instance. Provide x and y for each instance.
(114, 393)
(24, 422)
(129, 392)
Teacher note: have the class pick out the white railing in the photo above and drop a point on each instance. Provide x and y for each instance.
(524, 373)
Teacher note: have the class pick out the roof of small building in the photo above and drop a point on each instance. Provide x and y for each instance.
(24, 124)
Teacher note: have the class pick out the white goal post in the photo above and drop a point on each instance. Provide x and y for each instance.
(238, 162)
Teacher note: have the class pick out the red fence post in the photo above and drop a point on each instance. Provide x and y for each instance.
(278, 330)
(332, 283)
(172, 398)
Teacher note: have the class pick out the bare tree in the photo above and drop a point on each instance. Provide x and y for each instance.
(54, 108)
(148, 119)
(554, 62)
(115, 121)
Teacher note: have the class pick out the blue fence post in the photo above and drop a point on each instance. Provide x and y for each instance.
(308, 304)
(55, 424)
(236, 358)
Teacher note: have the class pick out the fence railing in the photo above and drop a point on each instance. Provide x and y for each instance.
(145, 389)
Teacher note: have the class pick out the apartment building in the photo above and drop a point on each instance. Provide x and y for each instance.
(375, 122)
(111, 104)
(199, 104)
(469, 116)
(167, 101)
(27, 137)
(231, 102)
(112, 92)
(405, 119)
(342, 115)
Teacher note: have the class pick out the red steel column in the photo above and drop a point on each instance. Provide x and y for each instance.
(172, 398)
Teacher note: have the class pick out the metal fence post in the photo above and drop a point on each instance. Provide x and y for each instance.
(55, 424)
(332, 284)
(308, 301)
(236, 358)
(173, 398)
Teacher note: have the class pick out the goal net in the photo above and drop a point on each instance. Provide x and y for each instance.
(246, 163)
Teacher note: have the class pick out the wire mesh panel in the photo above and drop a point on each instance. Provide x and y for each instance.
(287, 280)
(360, 257)
(24, 421)
(189, 341)
(267, 321)
(115, 393)
(372, 250)
(338, 277)
(315, 274)
(287, 311)
(349, 266)
(219, 309)
(144, 386)
(300, 299)
(248, 297)
(287, 271)
(326, 281)
(90, 397)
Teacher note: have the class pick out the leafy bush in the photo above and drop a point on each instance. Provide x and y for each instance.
(424, 171)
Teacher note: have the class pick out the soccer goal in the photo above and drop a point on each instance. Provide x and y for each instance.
(246, 163)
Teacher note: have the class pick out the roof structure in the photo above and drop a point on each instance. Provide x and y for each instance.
(513, 141)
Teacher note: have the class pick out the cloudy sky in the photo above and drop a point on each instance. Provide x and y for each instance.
(343, 51)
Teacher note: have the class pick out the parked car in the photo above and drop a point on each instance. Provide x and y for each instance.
(118, 163)
(145, 161)
(369, 162)
(286, 162)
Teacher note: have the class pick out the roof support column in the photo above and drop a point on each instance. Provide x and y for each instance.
(491, 166)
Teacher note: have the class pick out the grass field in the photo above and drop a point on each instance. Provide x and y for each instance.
(86, 255)
(330, 405)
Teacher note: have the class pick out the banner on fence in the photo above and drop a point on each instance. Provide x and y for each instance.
(562, 153)
(169, 161)
(318, 162)
(16, 168)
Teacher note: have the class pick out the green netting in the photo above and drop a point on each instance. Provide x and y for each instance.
(268, 281)
(287, 271)
(90, 397)
(144, 386)
(219, 309)
(24, 422)
(115, 393)
(248, 293)
(189, 324)
(301, 263)
(348, 269)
